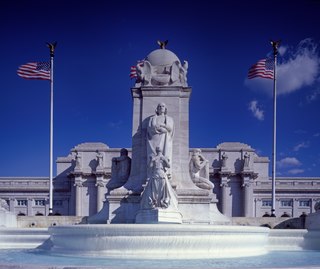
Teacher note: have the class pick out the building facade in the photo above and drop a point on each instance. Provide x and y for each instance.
(242, 189)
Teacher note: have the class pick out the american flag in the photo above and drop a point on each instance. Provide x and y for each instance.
(133, 69)
(263, 69)
(36, 70)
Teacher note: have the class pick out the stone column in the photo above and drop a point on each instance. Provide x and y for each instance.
(313, 203)
(225, 194)
(29, 207)
(12, 204)
(247, 185)
(295, 206)
(258, 208)
(78, 183)
(247, 200)
(46, 210)
(101, 190)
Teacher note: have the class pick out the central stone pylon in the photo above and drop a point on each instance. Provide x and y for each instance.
(161, 80)
(145, 101)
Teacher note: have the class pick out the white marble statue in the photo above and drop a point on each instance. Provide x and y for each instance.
(183, 73)
(120, 170)
(144, 73)
(156, 193)
(160, 133)
(100, 160)
(224, 158)
(199, 170)
(246, 159)
(78, 160)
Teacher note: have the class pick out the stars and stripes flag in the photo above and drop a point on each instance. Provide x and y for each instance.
(263, 68)
(133, 69)
(35, 70)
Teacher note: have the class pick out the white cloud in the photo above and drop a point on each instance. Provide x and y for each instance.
(301, 145)
(300, 68)
(316, 134)
(295, 171)
(288, 162)
(256, 111)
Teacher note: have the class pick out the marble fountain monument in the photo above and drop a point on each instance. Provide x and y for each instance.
(163, 198)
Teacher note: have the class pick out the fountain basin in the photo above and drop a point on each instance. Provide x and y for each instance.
(161, 241)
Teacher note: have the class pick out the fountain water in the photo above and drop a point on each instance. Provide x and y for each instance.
(160, 241)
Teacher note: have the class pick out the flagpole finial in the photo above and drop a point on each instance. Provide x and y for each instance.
(52, 47)
(275, 45)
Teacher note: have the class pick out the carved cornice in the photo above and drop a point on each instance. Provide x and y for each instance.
(168, 91)
(249, 174)
(225, 173)
(103, 173)
(25, 184)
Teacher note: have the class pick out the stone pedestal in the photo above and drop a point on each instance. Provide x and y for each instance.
(198, 208)
(158, 215)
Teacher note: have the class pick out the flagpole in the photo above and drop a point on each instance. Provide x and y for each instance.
(275, 45)
(51, 47)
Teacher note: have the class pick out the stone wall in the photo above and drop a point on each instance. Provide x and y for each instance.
(47, 221)
(273, 223)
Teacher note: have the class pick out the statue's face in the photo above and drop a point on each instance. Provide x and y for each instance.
(161, 108)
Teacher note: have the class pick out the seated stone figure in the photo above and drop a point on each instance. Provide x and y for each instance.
(120, 170)
(199, 170)
(156, 193)
(3, 205)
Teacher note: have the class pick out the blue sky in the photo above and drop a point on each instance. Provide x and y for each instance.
(98, 41)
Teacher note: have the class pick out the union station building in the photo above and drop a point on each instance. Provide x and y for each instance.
(81, 189)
